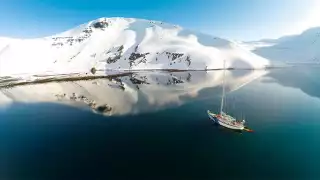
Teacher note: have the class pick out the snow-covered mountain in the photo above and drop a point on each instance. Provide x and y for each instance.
(122, 44)
(304, 47)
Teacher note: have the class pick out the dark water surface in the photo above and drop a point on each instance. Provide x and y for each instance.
(162, 136)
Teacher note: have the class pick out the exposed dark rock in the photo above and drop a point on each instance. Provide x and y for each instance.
(60, 41)
(188, 60)
(104, 108)
(93, 70)
(87, 30)
(92, 105)
(120, 48)
(189, 77)
(57, 44)
(70, 40)
(59, 96)
(114, 59)
(174, 80)
(73, 97)
(174, 56)
(137, 81)
(135, 56)
(81, 97)
(79, 40)
(100, 25)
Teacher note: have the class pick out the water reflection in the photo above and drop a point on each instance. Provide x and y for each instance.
(128, 94)
(304, 78)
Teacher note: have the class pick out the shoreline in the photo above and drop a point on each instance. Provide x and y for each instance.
(9, 82)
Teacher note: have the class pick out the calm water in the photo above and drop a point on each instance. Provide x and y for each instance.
(161, 130)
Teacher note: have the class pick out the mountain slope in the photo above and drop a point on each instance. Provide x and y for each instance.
(122, 44)
(304, 47)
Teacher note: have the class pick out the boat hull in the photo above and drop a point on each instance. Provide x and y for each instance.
(214, 118)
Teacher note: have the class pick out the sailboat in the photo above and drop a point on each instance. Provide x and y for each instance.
(223, 118)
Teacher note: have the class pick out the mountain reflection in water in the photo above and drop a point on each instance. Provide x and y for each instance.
(123, 94)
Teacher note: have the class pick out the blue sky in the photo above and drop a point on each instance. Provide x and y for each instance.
(234, 19)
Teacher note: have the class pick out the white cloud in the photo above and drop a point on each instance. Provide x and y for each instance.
(313, 17)
(309, 19)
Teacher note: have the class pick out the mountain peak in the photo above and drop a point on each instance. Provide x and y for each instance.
(124, 44)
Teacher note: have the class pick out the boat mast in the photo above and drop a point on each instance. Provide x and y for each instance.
(224, 73)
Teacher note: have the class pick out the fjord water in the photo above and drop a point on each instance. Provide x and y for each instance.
(163, 132)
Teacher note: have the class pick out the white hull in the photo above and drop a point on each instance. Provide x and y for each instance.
(231, 127)
(225, 123)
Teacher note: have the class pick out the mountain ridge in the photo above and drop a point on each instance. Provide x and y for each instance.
(303, 47)
(123, 44)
